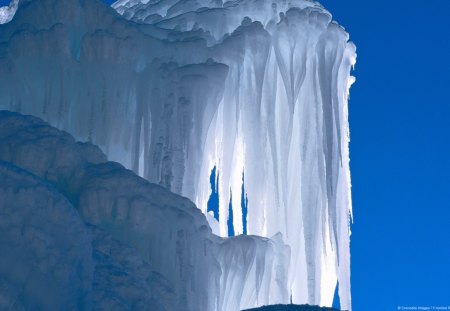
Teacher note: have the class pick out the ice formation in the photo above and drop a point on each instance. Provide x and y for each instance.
(127, 243)
(172, 88)
(7, 12)
(42, 267)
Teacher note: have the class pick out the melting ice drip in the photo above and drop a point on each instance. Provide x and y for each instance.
(253, 85)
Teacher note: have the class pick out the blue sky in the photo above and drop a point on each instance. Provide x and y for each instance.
(400, 151)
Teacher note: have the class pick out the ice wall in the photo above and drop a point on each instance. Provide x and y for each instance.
(152, 249)
(41, 266)
(52, 260)
(248, 85)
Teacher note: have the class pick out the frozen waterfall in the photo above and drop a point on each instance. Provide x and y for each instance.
(173, 88)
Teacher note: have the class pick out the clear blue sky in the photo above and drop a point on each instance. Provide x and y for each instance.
(400, 151)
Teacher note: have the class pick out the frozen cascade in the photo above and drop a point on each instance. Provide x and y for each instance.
(246, 85)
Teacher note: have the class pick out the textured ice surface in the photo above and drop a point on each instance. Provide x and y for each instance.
(45, 261)
(52, 261)
(123, 280)
(247, 85)
(152, 249)
(7, 12)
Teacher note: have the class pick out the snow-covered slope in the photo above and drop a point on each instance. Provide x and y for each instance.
(247, 85)
(152, 249)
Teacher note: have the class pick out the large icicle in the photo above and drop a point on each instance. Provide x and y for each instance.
(250, 85)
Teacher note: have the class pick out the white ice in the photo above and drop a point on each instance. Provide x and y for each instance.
(254, 86)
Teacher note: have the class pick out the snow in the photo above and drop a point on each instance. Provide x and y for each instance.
(259, 87)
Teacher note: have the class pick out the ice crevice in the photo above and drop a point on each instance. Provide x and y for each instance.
(172, 88)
